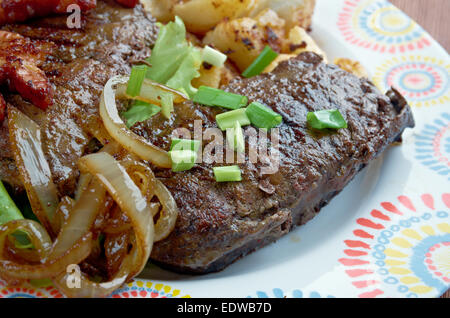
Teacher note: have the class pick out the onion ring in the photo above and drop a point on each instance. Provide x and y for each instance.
(119, 131)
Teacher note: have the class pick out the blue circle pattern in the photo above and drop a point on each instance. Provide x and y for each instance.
(20, 295)
(417, 260)
(279, 293)
(365, 24)
(424, 146)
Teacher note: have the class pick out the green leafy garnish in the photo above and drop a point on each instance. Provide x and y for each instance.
(323, 119)
(174, 62)
(266, 57)
(261, 116)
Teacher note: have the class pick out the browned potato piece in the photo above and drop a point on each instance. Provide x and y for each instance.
(209, 76)
(300, 41)
(294, 12)
(243, 39)
(351, 66)
(200, 16)
(162, 10)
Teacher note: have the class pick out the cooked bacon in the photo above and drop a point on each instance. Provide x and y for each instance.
(20, 10)
(19, 61)
(128, 3)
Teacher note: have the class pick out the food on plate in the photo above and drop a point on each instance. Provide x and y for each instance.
(351, 66)
(294, 13)
(89, 136)
(221, 223)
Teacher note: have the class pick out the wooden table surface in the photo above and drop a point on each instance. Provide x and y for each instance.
(432, 15)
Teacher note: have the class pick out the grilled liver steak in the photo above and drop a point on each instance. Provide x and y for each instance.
(79, 65)
(220, 223)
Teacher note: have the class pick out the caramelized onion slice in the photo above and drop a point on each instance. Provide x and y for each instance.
(169, 214)
(25, 137)
(119, 131)
(151, 92)
(127, 195)
(40, 239)
(150, 186)
(72, 246)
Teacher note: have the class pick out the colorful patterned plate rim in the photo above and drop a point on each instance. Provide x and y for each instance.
(388, 233)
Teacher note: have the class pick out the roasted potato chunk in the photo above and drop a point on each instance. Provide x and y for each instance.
(351, 66)
(300, 41)
(209, 76)
(243, 39)
(200, 16)
(294, 12)
(162, 10)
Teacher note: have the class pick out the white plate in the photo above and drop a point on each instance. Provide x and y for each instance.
(388, 233)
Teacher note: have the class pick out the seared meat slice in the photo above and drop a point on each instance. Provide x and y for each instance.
(78, 63)
(220, 223)
(20, 10)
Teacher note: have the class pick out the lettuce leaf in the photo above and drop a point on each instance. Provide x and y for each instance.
(187, 71)
(174, 63)
(169, 51)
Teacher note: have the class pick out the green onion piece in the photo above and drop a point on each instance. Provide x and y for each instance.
(266, 57)
(140, 111)
(136, 79)
(261, 116)
(213, 57)
(235, 138)
(182, 160)
(9, 212)
(227, 174)
(41, 283)
(228, 119)
(185, 144)
(166, 105)
(216, 97)
(323, 119)
(8, 209)
(22, 240)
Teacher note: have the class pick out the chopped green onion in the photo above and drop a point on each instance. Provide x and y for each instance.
(22, 240)
(140, 111)
(166, 104)
(228, 119)
(9, 212)
(227, 174)
(323, 119)
(235, 138)
(41, 283)
(266, 57)
(216, 97)
(213, 57)
(182, 160)
(262, 116)
(8, 209)
(136, 79)
(185, 144)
